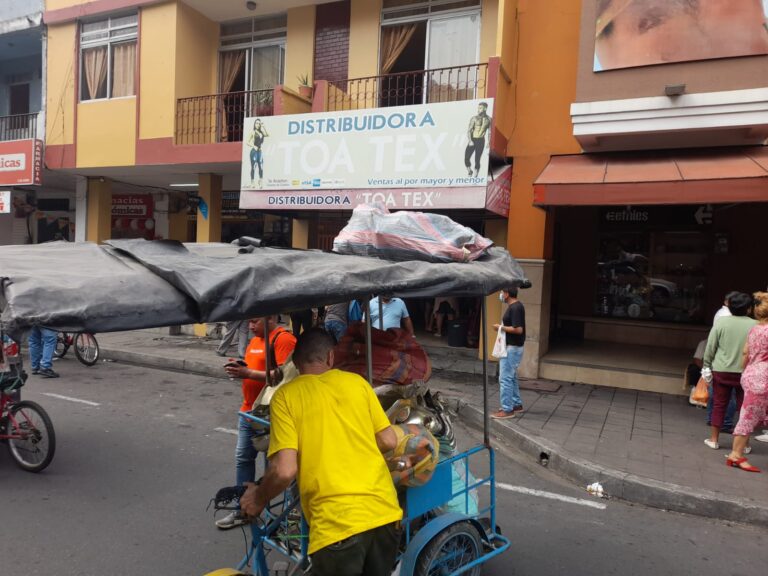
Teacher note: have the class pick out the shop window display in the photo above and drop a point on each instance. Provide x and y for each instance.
(656, 276)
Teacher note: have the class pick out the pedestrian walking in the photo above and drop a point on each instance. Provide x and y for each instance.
(730, 413)
(236, 328)
(42, 344)
(336, 320)
(513, 323)
(754, 381)
(723, 357)
(254, 376)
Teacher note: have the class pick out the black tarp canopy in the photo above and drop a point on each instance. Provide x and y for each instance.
(132, 284)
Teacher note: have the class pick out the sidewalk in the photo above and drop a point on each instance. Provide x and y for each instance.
(642, 447)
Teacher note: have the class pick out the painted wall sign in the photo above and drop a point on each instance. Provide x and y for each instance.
(428, 146)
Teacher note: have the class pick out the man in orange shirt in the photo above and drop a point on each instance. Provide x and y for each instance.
(253, 374)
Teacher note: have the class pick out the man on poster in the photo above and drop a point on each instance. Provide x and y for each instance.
(477, 133)
(255, 140)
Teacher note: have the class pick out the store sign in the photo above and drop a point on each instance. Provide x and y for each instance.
(428, 146)
(133, 216)
(5, 201)
(498, 194)
(21, 162)
(629, 216)
(394, 199)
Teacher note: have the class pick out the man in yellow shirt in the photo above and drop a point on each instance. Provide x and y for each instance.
(329, 428)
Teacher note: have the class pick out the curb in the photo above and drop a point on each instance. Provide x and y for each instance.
(622, 485)
(164, 363)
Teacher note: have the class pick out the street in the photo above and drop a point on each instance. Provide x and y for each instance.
(141, 452)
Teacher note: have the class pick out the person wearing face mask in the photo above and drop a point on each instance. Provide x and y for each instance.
(513, 324)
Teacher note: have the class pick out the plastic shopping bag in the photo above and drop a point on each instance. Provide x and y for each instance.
(700, 393)
(500, 346)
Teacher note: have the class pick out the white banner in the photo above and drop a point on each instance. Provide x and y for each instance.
(5, 201)
(425, 146)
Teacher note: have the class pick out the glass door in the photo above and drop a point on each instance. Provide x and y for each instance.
(452, 51)
(267, 64)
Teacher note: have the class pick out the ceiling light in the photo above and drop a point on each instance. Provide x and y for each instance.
(187, 185)
(251, 5)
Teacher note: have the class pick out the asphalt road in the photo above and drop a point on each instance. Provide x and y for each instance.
(137, 463)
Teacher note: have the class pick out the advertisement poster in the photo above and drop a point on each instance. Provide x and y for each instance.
(631, 33)
(133, 216)
(21, 162)
(5, 201)
(426, 147)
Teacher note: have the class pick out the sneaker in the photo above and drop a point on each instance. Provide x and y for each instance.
(763, 437)
(231, 520)
(517, 410)
(35, 370)
(713, 445)
(48, 373)
(502, 414)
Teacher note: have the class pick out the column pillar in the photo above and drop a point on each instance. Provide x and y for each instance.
(209, 210)
(178, 220)
(495, 230)
(99, 210)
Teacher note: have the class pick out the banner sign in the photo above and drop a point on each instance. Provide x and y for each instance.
(21, 162)
(394, 199)
(133, 216)
(426, 146)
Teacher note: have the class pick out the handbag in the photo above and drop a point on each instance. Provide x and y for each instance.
(700, 394)
(500, 346)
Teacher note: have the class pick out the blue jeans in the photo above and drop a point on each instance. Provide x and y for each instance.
(730, 412)
(245, 453)
(510, 389)
(42, 343)
(335, 329)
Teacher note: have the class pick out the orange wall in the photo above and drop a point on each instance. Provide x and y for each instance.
(545, 88)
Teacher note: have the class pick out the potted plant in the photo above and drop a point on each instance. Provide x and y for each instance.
(305, 87)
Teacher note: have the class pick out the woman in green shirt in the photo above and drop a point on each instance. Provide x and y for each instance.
(723, 356)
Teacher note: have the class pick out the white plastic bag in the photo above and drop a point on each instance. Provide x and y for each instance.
(500, 346)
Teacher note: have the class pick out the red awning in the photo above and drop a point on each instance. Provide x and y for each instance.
(684, 177)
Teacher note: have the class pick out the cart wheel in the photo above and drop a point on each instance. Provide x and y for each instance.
(32, 441)
(450, 550)
(86, 348)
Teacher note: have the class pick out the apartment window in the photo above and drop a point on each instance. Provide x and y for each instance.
(108, 58)
(252, 54)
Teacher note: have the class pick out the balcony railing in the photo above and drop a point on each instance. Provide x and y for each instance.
(405, 88)
(219, 117)
(18, 127)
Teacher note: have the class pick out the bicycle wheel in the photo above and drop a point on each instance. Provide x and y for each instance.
(33, 441)
(61, 345)
(86, 348)
(450, 550)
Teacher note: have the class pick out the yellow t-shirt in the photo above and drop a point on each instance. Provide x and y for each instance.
(344, 482)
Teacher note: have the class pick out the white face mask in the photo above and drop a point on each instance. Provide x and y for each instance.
(501, 297)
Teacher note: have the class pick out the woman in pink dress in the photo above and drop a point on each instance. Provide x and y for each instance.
(754, 381)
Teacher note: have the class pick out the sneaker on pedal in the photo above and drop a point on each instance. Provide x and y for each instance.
(48, 373)
(231, 520)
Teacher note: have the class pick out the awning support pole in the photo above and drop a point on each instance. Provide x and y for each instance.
(486, 416)
(368, 345)
(381, 313)
(267, 379)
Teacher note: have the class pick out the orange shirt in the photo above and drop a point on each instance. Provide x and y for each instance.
(256, 359)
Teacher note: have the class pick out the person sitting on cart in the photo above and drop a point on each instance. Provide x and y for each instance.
(253, 374)
(329, 428)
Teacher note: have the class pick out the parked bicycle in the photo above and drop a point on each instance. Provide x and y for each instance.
(24, 425)
(85, 344)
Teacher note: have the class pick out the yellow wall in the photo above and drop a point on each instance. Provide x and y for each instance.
(106, 133)
(365, 18)
(299, 45)
(56, 4)
(489, 29)
(158, 54)
(546, 87)
(60, 97)
(197, 51)
(99, 219)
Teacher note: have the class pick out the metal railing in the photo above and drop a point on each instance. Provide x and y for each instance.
(18, 127)
(219, 117)
(405, 88)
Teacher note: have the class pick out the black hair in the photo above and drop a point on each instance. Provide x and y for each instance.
(730, 295)
(483, 104)
(512, 291)
(739, 304)
(312, 346)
